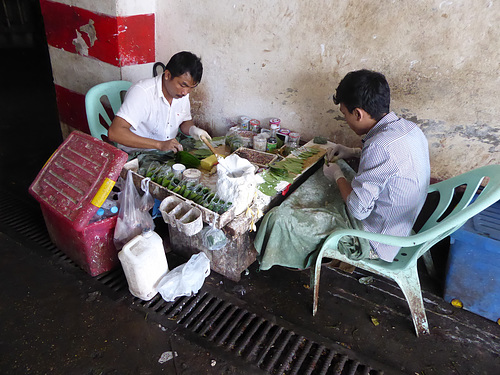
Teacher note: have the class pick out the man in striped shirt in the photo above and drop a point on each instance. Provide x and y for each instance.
(390, 187)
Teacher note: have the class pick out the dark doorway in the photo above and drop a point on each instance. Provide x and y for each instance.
(29, 124)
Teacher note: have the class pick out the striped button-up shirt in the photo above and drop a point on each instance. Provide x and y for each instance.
(391, 185)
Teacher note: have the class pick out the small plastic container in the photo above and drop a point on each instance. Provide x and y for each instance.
(275, 121)
(191, 175)
(178, 169)
(244, 122)
(254, 125)
(144, 263)
(259, 142)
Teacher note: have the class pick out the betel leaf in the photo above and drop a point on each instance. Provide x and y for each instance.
(190, 161)
(202, 153)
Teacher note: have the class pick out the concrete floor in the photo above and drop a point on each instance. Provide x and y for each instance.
(58, 320)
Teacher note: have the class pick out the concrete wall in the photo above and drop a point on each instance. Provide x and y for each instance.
(284, 58)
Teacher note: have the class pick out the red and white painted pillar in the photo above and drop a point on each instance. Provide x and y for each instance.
(95, 41)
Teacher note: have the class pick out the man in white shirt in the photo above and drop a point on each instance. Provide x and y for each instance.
(155, 109)
(391, 184)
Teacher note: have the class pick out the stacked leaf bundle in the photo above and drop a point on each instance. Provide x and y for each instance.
(163, 175)
(285, 170)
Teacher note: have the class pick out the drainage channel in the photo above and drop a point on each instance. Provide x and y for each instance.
(257, 341)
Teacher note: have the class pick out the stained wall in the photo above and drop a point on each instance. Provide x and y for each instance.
(284, 58)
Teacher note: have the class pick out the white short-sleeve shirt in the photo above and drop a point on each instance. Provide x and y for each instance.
(149, 113)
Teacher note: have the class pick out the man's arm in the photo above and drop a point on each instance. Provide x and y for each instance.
(344, 187)
(333, 173)
(119, 132)
(186, 125)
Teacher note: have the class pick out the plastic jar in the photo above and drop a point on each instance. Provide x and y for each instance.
(254, 125)
(191, 175)
(178, 169)
(275, 121)
(244, 122)
(259, 142)
(293, 139)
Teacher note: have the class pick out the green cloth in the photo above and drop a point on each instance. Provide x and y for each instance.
(291, 233)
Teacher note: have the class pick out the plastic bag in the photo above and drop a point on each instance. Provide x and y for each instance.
(147, 200)
(131, 221)
(186, 279)
(236, 182)
(213, 238)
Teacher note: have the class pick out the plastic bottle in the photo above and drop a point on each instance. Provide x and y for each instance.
(144, 264)
(272, 142)
(99, 215)
(110, 207)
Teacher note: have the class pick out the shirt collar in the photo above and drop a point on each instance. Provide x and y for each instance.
(159, 86)
(379, 126)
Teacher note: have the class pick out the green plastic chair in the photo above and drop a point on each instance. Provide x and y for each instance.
(403, 269)
(97, 99)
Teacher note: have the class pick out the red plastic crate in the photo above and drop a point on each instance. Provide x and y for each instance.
(70, 188)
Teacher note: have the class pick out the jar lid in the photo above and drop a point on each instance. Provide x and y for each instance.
(178, 167)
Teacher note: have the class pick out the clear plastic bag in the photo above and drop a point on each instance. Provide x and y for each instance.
(186, 279)
(147, 200)
(213, 238)
(132, 220)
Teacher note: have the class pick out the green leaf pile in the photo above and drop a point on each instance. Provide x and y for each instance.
(284, 170)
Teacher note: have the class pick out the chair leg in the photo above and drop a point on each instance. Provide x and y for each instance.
(429, 264)
(315, 273)
(410, 285)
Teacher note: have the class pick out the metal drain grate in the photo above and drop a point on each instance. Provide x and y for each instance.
(258, 341)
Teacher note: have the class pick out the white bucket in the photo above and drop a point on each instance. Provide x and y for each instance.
(144, 264)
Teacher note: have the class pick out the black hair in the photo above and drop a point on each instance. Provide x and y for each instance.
(364, 89)
(185, 62)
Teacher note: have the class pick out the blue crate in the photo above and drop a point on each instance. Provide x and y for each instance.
(473, 272)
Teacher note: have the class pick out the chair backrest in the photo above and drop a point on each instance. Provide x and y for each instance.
(450, 215)
(99, 100)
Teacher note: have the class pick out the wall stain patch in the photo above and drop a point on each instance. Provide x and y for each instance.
(89, 29)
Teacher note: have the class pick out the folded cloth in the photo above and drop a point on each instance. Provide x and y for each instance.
(291, 233)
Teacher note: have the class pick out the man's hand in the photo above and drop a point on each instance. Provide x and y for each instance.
(197, 133)
(337, 152)
(171, 144)
(332, 172)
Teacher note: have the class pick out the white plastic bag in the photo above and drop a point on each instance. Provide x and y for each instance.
(186, 279)
(236, 182)
(131, 220)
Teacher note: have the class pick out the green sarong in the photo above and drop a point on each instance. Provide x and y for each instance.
(291, 234)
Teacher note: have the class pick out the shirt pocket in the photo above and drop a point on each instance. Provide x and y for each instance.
(180, 117)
